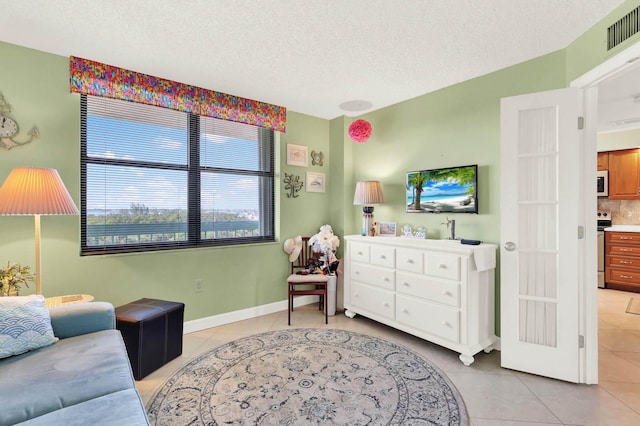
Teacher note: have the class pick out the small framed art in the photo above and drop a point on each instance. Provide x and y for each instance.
(315, 182)
(297, 155)
(387, 229)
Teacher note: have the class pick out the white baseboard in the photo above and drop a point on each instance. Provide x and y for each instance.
(243, 314)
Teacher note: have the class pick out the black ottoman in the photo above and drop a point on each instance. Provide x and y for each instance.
(152, 333)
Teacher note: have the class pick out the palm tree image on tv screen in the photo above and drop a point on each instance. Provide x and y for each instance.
(451, 190)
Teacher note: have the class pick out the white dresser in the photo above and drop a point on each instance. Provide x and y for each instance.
(438, 290)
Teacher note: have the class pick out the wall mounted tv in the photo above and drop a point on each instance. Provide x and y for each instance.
(450, 190)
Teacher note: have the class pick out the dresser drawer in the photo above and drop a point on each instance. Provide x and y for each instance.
(409, 260)
(377, 301)
(621, 276)
(428, 288)
(383, 256)
(443, 266)
(359, 252)
(428, 317)
(623, 262)
(368, 274)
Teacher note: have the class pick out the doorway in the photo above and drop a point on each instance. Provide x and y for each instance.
(603, 78)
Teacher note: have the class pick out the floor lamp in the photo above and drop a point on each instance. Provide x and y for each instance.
(368, 192)
(33, 191)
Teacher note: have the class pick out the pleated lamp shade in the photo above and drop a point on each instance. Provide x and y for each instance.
(368, 192)
(33, 191)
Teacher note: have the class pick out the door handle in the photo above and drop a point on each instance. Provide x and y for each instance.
(509, 246)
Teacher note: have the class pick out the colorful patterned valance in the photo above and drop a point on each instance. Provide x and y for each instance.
(94, 78)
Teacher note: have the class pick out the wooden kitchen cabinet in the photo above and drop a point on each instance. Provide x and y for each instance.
(603, 161)
(624, 174)
(622, 269)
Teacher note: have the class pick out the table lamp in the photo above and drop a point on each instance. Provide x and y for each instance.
(33, 191)
(368, 192)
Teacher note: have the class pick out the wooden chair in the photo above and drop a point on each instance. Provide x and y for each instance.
(312, 284)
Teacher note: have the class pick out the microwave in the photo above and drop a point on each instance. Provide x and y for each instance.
(603, 183)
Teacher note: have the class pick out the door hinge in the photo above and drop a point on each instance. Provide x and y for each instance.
(580, 341)
(580, 232)
(580, 123)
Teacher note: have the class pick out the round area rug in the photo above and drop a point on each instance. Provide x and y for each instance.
(308, 376)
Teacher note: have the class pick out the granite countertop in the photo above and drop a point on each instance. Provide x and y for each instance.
(623, 228)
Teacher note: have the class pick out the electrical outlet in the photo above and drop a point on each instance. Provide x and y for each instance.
(198, 285)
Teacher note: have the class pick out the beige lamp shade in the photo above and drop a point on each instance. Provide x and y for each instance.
(368, 192)
(33, 191)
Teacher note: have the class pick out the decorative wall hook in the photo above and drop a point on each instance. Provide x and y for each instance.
(293, 184)
(9, 128)
(316, 158)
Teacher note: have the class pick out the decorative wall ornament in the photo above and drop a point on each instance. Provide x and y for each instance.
(316, 158)
(9, 128)
(293, 184)
(359, 131)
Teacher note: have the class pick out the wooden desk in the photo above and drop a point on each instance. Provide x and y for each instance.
(72, 299)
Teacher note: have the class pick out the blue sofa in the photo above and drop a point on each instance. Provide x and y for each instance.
(83, 379)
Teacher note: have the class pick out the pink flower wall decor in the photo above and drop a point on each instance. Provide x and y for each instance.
(359, 131)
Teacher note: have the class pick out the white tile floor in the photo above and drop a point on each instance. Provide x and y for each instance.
(493, 395)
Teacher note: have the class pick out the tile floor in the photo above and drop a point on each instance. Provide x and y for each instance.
(493, 396)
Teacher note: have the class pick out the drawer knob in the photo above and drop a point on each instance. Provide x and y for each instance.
(357, 272)
(382, 256)
(446, 323)
(626, 238)
(406, 284)
(356, 294)
(626, 276)
(445, 293)
(626, 249)
(405, 310)
(442, 266)
(359, 253)
(626, 262)
(409, 260)
(386, 279)
(386, 305)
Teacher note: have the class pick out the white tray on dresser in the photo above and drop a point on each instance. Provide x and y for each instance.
(439, 290)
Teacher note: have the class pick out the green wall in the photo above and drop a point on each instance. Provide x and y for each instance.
(35, 84)
(457, 125)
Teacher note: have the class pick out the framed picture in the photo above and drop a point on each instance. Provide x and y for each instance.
(387, 229)
(297, 155)
(315, 182)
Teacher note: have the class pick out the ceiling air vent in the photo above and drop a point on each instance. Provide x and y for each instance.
(624, 28)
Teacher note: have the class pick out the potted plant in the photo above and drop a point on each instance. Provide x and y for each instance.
(13, 277)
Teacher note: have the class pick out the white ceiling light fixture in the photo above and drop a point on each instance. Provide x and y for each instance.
(355, 105)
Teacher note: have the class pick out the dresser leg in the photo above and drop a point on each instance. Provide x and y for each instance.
(488, 349)
(349, 313)
(467, 360)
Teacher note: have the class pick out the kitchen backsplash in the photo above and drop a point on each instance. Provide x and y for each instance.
(623, 212)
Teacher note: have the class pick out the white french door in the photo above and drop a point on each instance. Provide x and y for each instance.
(540, 165)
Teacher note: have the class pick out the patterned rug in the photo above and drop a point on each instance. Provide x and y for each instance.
(308, 376)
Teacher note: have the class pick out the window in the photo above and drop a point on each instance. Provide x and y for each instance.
(154, 178)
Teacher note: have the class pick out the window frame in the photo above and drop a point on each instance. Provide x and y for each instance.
(266, 140)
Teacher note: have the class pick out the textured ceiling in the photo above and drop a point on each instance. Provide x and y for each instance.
(309, 56)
